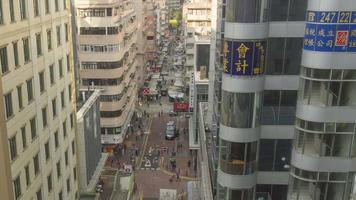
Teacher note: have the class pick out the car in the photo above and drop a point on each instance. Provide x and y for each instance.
(172, 113)
(170, 130)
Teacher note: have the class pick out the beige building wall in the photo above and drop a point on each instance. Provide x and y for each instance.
(5, 171)
(37, 88)
(107, 52)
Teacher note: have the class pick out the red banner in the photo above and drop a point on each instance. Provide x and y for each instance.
(180, 107)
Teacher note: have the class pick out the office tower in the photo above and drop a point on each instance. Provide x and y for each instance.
(323, 154)
(37, 71)
(259, 47)
(107, 52)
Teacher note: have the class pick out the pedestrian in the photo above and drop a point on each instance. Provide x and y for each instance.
(136, 152)
(178, 174)
(189, 163)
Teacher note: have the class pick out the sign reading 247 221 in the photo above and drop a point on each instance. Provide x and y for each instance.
(330, 31)
(244, 58)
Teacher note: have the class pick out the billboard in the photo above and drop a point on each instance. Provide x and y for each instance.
(244, 58)
(180, 107)
(330, 31)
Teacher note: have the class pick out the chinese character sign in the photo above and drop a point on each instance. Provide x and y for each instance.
(331, 31)
(227, 48)
(244, 58)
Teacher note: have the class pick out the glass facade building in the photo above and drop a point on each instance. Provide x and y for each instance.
(284, 105)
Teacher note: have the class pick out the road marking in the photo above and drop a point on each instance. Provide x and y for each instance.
(138, 164)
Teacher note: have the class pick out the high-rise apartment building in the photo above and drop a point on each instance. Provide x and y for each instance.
(273, 144)
(107, 52)
(37, 88)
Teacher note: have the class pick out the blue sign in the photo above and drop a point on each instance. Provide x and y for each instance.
(244, 58)
(352, 38)
(331, 31)
(227, 52)
(259, 58)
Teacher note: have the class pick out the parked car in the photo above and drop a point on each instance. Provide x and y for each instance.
(172, 113)
(170, 130)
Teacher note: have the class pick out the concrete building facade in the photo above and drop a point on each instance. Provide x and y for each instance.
(90, 158)
(37, 84)
(107, 51)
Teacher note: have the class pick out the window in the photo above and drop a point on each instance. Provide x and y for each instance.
(13, 147)
(33, 128)
(71, 120)
(23, 9)
(279, 107)
(60, 195)
(244, 11)
(58, 30)
(35, 8)
(27, 175)
(58, 166)
(51, 74)
(244, 153)
(68, 63)
(113, 30)
(56, 139)
(8, 105)
(16, 54)
(19, 96)
(60, 67)
(66, 31)
(47, 6)
(49, 182)
(62, 99)
(17, 187)
(12, 11)
(1, 14)
(242, 106)
(109, 12)
(47, 152)
(92, 30)
(44, 117)
(75, 173)
(29, 90)
(36, 164)
(3, 60)
(68, 185)
(284, 56)
(42, 81)
(24, 137)
(56, 6)
(39, 44)
(49, 39)
(54, 107)
(39, 194)
(274, 154)
(64, 126)
(66, 158)
(26, 49)
(70, 92)
(64, 4)
(287, 10)
(73, 147)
